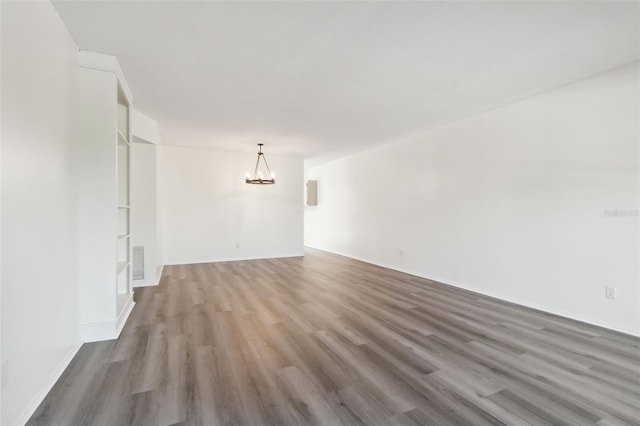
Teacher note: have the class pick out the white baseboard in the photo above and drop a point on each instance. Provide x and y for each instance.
(97, 331)
(107, 330)
(124, 315)
(490, 294)
(159, 274)
(233, 259)
(31, 407)
(145, 283)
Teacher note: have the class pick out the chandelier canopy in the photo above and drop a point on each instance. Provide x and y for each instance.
(257, 178)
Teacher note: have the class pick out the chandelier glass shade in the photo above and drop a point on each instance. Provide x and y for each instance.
(257, 178)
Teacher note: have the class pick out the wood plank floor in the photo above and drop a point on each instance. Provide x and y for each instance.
(332, 341)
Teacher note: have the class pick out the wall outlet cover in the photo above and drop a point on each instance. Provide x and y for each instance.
(610, 292)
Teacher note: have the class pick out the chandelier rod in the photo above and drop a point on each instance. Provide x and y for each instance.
(261, 154)
(266, 164)
(255, 169)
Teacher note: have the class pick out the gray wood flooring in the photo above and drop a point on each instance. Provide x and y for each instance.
(329, 340)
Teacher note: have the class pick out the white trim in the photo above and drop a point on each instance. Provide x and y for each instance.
(490, 294)
(96, 61)
(107, 330)
(143, 283)
(97, 331)
(108, 63)
(35, 402)
(235, 259)
(148, 284)
(124, 315)
(160, 274)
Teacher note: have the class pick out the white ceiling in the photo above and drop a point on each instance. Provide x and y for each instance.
(319, 79)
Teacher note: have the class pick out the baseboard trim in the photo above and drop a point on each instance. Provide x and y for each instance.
(124, 315)
(107, 330)
(231, 259)
(144, 283)
(488, 294)
(97, 331)
(160, 274)
(35, 402)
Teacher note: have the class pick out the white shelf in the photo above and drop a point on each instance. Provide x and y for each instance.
(122, 141)
(124, 207)
(121, 236)
(121, 266)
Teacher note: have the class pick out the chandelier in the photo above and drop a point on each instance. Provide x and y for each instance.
(257, 178)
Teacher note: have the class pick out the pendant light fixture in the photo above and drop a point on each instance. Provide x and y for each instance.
(257, 178)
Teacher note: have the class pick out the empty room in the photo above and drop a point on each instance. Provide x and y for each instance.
(369, 213)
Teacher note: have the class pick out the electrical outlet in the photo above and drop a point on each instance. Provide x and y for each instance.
(5, 373)
(610, 292)
(237, 245)
(401, 252)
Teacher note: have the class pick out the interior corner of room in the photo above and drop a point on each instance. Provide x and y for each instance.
(513, 190)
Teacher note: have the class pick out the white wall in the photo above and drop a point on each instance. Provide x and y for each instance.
(3, 363)
(511, 203)
(159, 239)
(144, 209)
(207, 208)
(39, 286)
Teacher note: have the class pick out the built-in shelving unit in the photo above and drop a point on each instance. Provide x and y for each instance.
(122, 265)
(104, 193)
(123, 245)
(122, 140)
